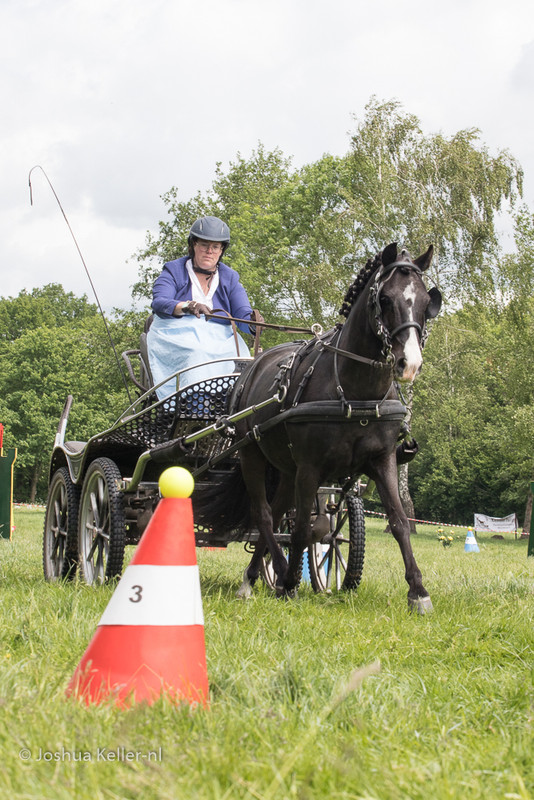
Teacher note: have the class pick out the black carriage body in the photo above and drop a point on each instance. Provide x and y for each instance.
(118, 467)
(145, 425)
(148, 424)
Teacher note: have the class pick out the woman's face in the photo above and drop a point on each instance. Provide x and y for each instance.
(207, 254)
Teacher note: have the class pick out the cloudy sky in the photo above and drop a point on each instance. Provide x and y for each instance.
(118, 100)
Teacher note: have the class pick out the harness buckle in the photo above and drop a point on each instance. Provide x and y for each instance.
(282, 393)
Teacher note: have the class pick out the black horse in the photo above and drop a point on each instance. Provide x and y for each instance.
(340, 418)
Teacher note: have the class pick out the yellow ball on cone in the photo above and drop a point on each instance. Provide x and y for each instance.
(176, 482)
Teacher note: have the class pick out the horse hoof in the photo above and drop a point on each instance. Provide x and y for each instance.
(286, 594)
(423, 605)
(245, 590)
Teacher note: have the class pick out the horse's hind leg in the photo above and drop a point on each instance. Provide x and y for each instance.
(253, 466)
(387, 485)
(306, 483)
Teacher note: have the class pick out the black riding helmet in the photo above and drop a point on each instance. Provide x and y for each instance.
(211, 229)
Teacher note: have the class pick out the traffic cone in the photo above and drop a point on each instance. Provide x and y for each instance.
(471, 545)
(150, 639)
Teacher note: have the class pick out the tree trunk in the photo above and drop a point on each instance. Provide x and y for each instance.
(528, 513)
(405, 496)
(404, 489)
(36, 473)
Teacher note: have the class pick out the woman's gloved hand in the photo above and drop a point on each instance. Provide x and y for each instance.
(196, 308)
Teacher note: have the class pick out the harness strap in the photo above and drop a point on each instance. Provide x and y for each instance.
(404, 325)
(232, 323)
(315, 330)
(362, 359)
(325, 410)
(305, 378)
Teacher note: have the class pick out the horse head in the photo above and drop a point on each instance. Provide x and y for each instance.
(400, 306)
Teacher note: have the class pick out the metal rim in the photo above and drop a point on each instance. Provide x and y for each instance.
(60, 528)
(336, 562)
(266, 569)
(101, 531)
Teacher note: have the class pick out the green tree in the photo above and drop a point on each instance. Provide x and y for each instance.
(474, 412)
(49, 306)
(57, 346)
(299, 235)
(423, 189)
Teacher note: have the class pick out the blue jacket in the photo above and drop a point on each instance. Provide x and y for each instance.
(174, 285)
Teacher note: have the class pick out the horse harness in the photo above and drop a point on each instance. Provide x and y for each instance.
(341, 410)
(329, 343)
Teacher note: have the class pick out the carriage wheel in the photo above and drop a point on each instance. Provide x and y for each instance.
(337, 561)
(60, 550)
(101, 530)
(266, 570)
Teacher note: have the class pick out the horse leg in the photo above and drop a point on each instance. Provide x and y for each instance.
(253, 465)
(306, 483)
(388, 489)
(250, 575)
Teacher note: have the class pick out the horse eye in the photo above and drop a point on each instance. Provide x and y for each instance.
(385, 301)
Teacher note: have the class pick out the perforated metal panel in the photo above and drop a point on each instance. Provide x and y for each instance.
(190, 409)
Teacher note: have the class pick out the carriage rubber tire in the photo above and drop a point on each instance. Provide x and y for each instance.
(60, 535)
(351, 513)
(101, 481)
(353, 575)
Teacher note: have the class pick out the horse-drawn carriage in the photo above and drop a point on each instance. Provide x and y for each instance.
(103, 492)
(276, 446)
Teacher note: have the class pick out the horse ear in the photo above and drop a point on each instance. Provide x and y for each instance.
(423, 262)
(389, 254)
(432, 310)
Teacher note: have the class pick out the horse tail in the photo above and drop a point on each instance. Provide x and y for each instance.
(223, 505)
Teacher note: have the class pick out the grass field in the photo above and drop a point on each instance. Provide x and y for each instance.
(446, 711)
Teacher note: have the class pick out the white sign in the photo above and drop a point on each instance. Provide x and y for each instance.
(485, 524)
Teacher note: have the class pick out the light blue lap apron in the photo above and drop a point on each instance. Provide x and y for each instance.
(176, 344)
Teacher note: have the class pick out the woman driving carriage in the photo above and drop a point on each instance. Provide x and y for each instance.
(186, 290)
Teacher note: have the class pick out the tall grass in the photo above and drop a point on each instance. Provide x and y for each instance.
(449, 713)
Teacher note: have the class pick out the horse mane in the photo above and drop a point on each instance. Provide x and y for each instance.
(360, 282)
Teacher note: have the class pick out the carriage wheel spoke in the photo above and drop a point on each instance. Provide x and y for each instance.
(339, 555)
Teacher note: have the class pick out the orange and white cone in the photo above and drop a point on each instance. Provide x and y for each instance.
(150, 639)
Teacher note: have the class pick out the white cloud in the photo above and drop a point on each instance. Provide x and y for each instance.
(119, 100)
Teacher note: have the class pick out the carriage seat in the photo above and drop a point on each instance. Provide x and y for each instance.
(138, 365)
(143, 379)
(74, 447)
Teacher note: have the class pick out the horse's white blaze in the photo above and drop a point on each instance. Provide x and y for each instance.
(413, 357)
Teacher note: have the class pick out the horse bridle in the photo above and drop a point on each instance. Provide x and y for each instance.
(383, 275)
(381, 331)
